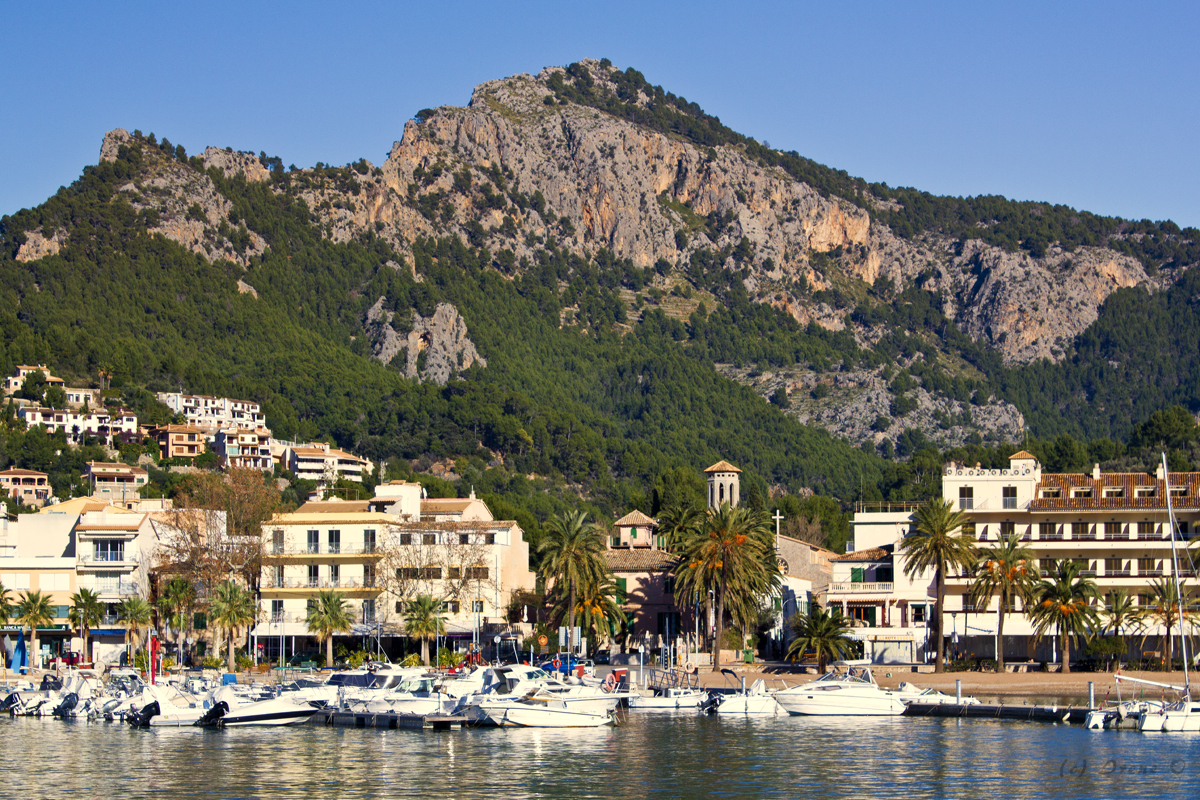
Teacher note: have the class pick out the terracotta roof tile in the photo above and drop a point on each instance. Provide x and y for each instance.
(1022, 454)
(639, 560)
(635, 517)
(722, 466)
(1128, 482)
(870, 554)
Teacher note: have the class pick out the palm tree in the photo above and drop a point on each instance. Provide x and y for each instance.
(231, 608)
(677, 524)
(1167, 608)
(734, 556)
(1008, 569)
(178, 596)
(327, 615)
(134, 613)
(34, 611)
(820, 630)
(595, 608)
(86, 612)
(1121, 613)
(937, 543)
(1064, 603)
(423, 619)
(6, 604)
(572, 550)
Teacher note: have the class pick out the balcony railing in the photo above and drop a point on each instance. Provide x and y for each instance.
(321, 583)
(861, 588)
(1116, 537)
(1009, 502)
(1149, 536)
(1118, 573)
(103, 559)
(120, 588)
(274, 549)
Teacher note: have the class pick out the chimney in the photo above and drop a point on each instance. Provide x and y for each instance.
(1158, 472)
(1095, 472)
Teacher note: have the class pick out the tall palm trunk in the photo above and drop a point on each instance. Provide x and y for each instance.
(1066, 652)
(425, 650)
(1000, 632)
(716, 659)
(329, 651)
(232, 635)
(940, 666)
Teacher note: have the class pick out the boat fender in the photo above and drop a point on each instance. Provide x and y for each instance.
(689, 667)
(610, 682)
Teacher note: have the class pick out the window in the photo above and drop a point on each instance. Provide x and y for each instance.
(109, 551)
(1115, 567)
(622, 596)
(369, 541)
(454, 573)
(918, 614)
(1008, 529)
(429, 538)
(1085, 491)
(669, 584)
(1114, 530)
(368, 611)
(856, 574)
(883, 575)
(968, 529)
(1051, 493)
(476, 573)
(314, 575)
(1009, 496)
(278, 576)
(614, 541)
(314, 541)
(335, 541)
(1148, 566)
(1179, 491)
(450, 606)
(108, 582)
(368, 575)
(491, 538)
(464, 538)
(1145, 530)
(431, 573)
(407, 573)
(1114, 491)
(477, 606)
(335, 574)
(1081, 530)
(1145, 491)
(406, 539)
(277, 541)
(966, 497)
(276, 611)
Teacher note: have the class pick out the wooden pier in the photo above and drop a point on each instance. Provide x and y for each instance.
(364, 719)
(1029, 713)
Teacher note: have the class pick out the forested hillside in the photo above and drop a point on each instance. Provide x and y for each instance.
(606, 333)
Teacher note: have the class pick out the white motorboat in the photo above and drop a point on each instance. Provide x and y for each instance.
(225, 712)
(539, 710)
(166, 707)
(849, 690)
(753, 702)
(915, 694)
(670, 690)
(1114, 716)
(419, 695)
(502, 686)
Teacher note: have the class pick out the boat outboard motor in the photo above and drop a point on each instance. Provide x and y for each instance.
(141, 717)
(212, 717)
(50, 684)
(68, 704)
(13, 700)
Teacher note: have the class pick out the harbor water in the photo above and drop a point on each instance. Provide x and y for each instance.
(650, 755)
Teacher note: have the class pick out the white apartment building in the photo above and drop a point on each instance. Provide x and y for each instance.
(214, 413)
(14, 382)
(320, 461)
(379, 560)
(78, 544)
(244, 448)
(78, 425)
(1114, 524)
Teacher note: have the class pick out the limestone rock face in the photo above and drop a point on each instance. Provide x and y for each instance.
(38, 245)
(232, 162)
(112, 143)
(435, 349)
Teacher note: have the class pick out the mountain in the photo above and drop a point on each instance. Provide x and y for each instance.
(583, 277)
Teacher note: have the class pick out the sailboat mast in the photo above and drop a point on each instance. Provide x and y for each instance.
(1178, 586)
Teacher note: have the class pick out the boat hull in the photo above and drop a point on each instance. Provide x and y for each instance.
(846, 702)
(521, 716)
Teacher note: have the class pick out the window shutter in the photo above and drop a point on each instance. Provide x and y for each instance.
(856, 574)
(622, 591)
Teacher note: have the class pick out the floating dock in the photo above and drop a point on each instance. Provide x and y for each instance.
(1028, 713)
(363, 719)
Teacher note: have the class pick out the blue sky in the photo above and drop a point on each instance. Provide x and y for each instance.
(1094, 105)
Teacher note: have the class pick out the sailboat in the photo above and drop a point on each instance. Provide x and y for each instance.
(1183, 715)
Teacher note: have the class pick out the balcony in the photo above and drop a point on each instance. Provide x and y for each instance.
(287, 551)
(1118, 573)
(351, 587)
(109, 559)
(1009, 502)
(860, 588)
(113, 588)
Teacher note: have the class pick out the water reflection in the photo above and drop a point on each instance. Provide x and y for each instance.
(651, 755)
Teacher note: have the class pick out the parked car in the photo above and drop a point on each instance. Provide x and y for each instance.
(567, 665)
(602, 658)
(67, 658)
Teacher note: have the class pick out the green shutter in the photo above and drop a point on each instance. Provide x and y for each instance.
(856, 574)
(199, 622)
(622, 591)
